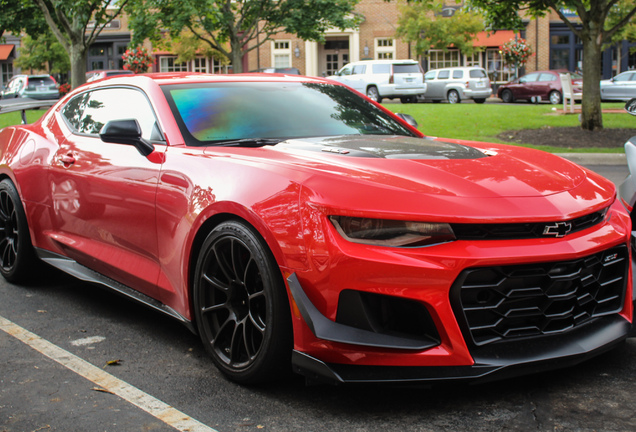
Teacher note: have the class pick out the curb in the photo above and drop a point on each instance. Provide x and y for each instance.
(595, 158)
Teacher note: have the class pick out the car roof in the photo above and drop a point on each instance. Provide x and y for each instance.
(169, 78)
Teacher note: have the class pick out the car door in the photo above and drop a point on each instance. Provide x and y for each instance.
(435, 88)
(620, 86)
(103, 194)
(527, 86)
(357, 78)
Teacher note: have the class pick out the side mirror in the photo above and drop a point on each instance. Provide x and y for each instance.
(408, 118)
(630, 106)
(126, 132)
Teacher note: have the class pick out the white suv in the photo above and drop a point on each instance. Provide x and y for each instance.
(455, 84)
(380, 79)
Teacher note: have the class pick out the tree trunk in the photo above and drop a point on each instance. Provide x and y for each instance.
(591, 113)
(78, 64)
(237, 55)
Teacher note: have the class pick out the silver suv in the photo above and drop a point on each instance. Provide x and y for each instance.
(380, 79)
(456, 84)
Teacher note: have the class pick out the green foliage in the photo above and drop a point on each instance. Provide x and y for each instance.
(421, 23)
(21, 15)
(43, 53)
(233, 27)
(68, 21)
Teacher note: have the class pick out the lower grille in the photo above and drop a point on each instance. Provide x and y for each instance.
(512, 302)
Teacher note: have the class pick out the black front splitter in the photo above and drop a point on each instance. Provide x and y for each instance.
(494, 362)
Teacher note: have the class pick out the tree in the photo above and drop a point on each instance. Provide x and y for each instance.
(234, 27)
(20, 15)
(76, 25)
(590, 28)
(421, 22)
(43, 52)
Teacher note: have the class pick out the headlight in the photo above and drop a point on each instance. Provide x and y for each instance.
(392, 233)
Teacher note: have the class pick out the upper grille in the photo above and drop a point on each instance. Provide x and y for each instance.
(511, 302)
(526, 230)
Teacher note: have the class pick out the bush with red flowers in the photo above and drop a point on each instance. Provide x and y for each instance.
(64, 88)
(137, 60)
(516, 52)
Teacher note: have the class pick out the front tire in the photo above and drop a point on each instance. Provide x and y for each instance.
(17, 256)
(241, 305)
(453, 97)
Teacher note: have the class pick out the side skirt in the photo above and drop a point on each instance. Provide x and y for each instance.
(81, 272)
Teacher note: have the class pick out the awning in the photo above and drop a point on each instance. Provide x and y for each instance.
(496, 39)
(5, 51)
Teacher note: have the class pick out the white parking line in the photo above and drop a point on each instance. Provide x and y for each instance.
(131, 394)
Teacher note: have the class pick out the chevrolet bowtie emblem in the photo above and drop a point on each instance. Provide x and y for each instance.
(558, 229)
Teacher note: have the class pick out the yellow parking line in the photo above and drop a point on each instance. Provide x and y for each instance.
(133, 395)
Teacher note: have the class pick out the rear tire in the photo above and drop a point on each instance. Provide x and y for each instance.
(241, 305)
(555, 97)
(453, 97)
(18, 261)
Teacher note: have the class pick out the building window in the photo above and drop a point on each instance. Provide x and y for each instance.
(7, 73)
(169, 64)
(200, 64)
(473, 60)
(440, 59)
(281, 54)
(384, 49)
(497, 71)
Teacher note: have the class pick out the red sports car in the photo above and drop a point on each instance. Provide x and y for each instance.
(540, 85)
(296, 225)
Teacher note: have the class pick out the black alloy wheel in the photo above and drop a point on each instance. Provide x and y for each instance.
(17, 257)
(241, 305)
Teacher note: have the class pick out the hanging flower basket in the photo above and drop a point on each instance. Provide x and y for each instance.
(137, 60)
(516, 52)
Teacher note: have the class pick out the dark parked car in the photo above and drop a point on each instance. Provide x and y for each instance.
(294, 224)
(540, 85)
(622, 87)
(31, 86)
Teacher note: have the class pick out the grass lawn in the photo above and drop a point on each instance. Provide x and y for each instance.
(484, 122)
(14, 118)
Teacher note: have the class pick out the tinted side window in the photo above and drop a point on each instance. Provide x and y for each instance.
(381, 68)
(345, 71)
(547, 77)
(406, 68)
(89, 112)
(443, 74)
(529, 78)
(430, 75)
(359, 69)
(477, 73)
(458, 74)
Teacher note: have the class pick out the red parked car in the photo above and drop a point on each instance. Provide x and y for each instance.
(544, 85)
(294, 224)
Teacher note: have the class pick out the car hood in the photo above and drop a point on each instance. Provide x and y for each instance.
(507, 180)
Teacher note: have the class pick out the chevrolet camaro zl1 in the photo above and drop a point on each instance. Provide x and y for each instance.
(296, 225)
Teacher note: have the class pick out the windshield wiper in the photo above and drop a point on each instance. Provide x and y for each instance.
(248, 142)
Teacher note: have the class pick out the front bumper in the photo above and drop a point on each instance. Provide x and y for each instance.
(491, 364)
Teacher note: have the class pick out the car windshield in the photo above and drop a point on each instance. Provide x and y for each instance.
(214, 113)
